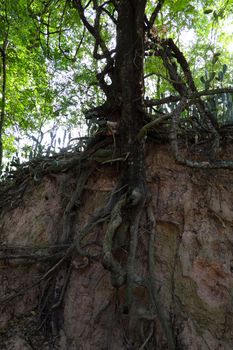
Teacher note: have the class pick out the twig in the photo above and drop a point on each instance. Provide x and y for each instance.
(155, 13)
(48, 274)
(64, 287)
(148, 338)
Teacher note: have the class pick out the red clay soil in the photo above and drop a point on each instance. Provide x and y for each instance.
(194, 263)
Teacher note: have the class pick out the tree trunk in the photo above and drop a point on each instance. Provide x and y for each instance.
(128, 75)
(128, 85)
(129, 91)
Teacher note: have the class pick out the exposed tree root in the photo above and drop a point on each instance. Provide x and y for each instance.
(151, 331)
(133, 231)
(74, 202)
(31, 254)
(117, 272)
(63, 287)
(122, 212)
(152, 286)
(100, 216)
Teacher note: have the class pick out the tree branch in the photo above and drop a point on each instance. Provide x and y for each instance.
(170, 51)
(209, 164)
(111, 16)
(179, 109)
(94, 30)
(155, 13)
(193, 96)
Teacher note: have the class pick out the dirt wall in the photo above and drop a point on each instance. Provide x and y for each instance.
(194, 264)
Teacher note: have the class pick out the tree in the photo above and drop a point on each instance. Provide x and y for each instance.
(25, 93)
(3, 50)
(120, 52)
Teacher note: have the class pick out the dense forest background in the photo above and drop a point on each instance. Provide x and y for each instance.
(51, 63)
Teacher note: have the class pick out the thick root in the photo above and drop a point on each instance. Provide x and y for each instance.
(117, 272)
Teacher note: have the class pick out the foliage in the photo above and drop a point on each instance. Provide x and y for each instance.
(51, 69)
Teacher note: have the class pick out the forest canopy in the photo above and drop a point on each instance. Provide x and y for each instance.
(56, 58)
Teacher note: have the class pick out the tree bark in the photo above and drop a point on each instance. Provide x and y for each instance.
(128, 86)
(128, 83)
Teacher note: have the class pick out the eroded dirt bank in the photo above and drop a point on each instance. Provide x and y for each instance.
(194, 265)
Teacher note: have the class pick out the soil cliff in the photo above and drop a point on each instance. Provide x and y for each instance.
(193, 270)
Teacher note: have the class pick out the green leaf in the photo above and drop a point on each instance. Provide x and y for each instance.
(181, 4)
(202, 79)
